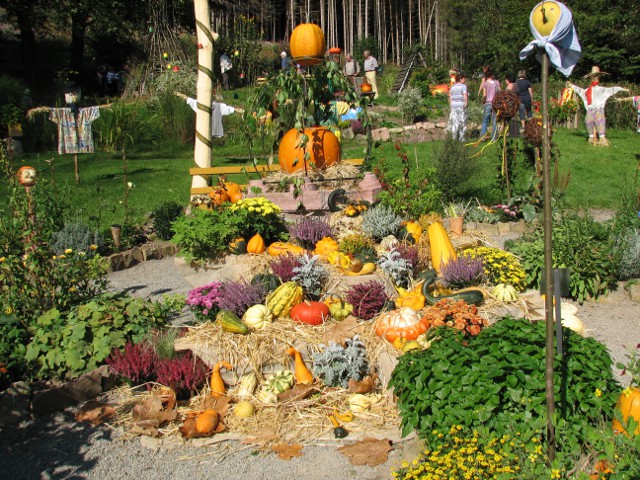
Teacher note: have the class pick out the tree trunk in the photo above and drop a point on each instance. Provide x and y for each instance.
(78, 35)
(28, 47)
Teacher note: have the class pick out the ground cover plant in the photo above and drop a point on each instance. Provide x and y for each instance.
(494, 383)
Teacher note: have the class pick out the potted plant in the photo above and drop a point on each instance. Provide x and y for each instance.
(455, 212)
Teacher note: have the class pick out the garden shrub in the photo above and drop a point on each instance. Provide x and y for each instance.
(205, 234)
(163, 216)
(12, 95)
(453, 168)
(495, 383)
(413, 194)
(579, 243)
(409, 101)
(70, 344)
(627, 248)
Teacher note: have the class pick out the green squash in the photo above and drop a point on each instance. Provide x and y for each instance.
(472, 296)
(268, 280)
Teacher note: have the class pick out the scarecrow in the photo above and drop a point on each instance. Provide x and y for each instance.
(595, 99)
(74, 124)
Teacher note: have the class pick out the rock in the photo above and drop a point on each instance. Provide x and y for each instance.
(82, 389)
(519, 227)
(380, 134)
(348, 133)
(489, 228)
(14, 404)
(614, 296)
(634, 291)
(504, 228)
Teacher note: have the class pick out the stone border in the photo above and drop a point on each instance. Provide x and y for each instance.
(138, 254)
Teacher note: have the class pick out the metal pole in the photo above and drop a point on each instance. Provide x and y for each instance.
(548, 260)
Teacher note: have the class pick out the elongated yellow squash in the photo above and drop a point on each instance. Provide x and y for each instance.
(442, 251)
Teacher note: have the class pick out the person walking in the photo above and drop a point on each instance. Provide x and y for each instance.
(491, 87)
(458, 101)
(525, 94)
(225, 66)
(370, 67)
(351, 68)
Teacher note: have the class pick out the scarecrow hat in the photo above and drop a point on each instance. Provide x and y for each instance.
(595, 72)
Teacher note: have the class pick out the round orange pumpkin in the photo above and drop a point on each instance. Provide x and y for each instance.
(335, 50)
(307, 44)
(323, 147)
(311, 313)
(365, 87)
(628, 405)
(404, 323)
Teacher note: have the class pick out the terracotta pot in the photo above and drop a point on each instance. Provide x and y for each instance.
(456, 226)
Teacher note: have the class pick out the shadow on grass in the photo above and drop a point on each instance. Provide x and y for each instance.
(49, 447)
(130, 173)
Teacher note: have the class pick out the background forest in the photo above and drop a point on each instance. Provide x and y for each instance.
(39, 38)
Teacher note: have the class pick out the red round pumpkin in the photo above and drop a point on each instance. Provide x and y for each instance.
(307, 44)
(335, 50)
(366, 87)
(323, 147)
(26, 175)
(628, 405)
(311, 313)
(404, 323)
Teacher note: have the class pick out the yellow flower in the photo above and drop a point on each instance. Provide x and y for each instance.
(62, 256)
(68, 251)
(555, 473)
(598, 392)
(54, 257)
(72, 289)
(93, 247)
(8, 310)
(2, 259)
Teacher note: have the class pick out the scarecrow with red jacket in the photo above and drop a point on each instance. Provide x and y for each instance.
(595, 99)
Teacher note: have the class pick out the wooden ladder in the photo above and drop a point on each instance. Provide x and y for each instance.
(403, 75)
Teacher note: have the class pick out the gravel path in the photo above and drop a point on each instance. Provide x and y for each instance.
(57, 447)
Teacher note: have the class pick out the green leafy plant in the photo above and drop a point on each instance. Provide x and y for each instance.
(453, 169)
(409, 101)
(593, 269)
(163, 216)
(260, 215)
(70, 344)
(495, 383)
(205, 234)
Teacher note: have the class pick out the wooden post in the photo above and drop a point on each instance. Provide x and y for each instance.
(76, 167)
(205, 39)
(548, 260)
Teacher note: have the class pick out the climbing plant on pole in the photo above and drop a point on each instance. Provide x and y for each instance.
(205, 38)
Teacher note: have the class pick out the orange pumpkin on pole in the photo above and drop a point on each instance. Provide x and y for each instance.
(307, 44)
(323, 148)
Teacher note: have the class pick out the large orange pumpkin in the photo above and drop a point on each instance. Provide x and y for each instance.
(219, 196)
(307, 44)
(628, 405)
(323, 148)
(365, 87)
(404, 323)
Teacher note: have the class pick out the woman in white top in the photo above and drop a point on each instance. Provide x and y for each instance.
(458, 101)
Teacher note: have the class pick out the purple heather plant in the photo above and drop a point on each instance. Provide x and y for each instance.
(310, 230)
(368, 299)
(136, 362)
(463, 272)
(283, 266)
(409, 253)
(183, 373)
(203, 301)
(239, 296)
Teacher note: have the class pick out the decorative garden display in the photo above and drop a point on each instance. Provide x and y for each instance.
(321, 150)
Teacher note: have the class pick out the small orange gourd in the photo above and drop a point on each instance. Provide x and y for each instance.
(303, 375)
(366, 87)
(217, 383)
(207, 421)
(326, 246)
(256, 244)
(219, 196)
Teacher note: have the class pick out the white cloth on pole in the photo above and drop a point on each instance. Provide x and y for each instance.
(562, 45)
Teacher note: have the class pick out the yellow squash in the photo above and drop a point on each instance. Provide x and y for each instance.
(442, 251)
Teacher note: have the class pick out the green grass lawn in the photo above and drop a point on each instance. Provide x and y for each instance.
(599, 176)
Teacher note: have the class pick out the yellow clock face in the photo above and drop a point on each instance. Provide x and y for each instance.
(545, 16)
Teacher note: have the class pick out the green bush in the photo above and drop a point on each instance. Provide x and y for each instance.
(454, 168)
(205, 234)
(495, 383)
(12, 91)
(409, 101)
(163, 216)
(579, 243)
(70, 344)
